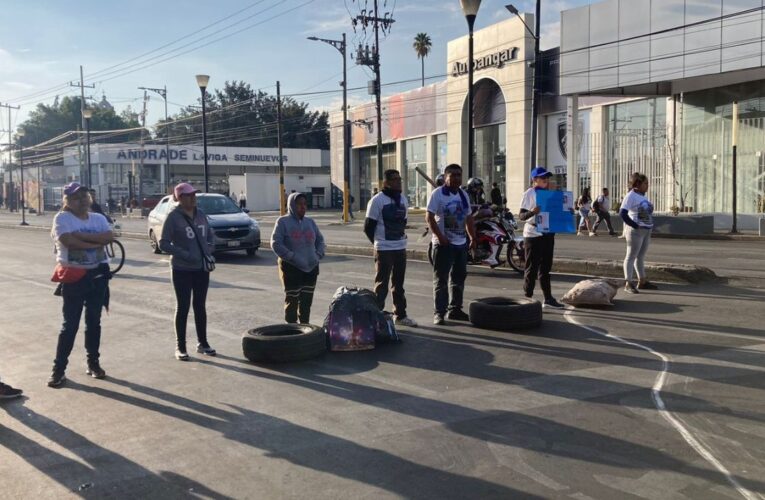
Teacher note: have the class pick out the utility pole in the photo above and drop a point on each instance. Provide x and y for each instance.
(282, 197)
(82, 108)
(163, 93)
(341, 46)
(12, 203)
(363, 58)
(143, 128)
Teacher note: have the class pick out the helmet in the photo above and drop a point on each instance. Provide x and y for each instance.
(474, 184)
(440, 180)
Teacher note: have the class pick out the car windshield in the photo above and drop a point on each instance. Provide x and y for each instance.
(214, 205)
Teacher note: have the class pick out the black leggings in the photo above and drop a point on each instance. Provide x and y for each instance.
(185, 283)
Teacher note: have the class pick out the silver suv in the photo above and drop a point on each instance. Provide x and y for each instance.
(232, 227)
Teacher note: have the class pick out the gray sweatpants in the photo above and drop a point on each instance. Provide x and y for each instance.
(637, 245)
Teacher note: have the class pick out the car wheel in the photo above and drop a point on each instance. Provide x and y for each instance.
(154, 243)
(251, 251)
(505, 314)
(284, 343)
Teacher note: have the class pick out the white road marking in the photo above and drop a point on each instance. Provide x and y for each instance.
(692, 441)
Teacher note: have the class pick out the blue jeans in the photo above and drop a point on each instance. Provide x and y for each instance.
(449, 271)
(90, 293)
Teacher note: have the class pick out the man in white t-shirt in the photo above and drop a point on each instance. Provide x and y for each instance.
(385, 226)
(539, 247)
(602, 207)
(451, 223)
(83, 271)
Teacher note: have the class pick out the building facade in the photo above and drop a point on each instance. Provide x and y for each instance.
(425, 129)
(132, 170)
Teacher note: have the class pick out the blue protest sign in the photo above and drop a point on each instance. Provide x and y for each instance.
(555, 211)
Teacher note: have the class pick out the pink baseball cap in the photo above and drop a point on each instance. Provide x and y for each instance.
(185, 188)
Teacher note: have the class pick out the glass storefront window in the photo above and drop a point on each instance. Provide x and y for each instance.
(440, 155)
(415, 151)
(368, 170)
(706, 174)
(490, 155)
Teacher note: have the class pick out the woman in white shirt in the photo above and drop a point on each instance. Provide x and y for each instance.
(637, 213)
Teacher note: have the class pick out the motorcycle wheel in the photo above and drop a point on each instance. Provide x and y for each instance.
(516, 256)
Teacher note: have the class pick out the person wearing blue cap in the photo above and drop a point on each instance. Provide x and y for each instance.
(539, 246)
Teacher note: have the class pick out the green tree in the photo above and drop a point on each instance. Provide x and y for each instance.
(422, 45)
(48, 121)
(239, 116)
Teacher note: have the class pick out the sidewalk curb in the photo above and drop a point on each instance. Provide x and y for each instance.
(676, 273)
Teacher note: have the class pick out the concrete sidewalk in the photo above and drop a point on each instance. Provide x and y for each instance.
(670, 259)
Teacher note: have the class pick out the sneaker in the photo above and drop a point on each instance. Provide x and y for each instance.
(612, 233)
(552, 303)
(593, 233)
(95, 370)
(56, 378)
(181, 355)
(8, 392)
(630, 288)
(458, 315)
(438, 319)
(206, 350)
(405, 321)
(647, 285)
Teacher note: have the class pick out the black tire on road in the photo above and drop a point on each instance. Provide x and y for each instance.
(284, 343)
(251, 252)
(505, 314)
(154, 243)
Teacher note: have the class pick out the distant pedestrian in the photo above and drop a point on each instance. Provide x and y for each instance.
(385, 226)
(451, 223)
(350, 207)
(539, 247)
(602, 206)
(242, 200)
(637, 213)
(8, 392)
(96, 208)
(584, 205)
(297, 241)
(186, 236)
(496, 195)
(82, 269)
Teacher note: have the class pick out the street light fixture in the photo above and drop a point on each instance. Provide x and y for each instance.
(87, 113)
(341, 46)
(202, 81)
(19, 134)
(534, 77)
(470, 9)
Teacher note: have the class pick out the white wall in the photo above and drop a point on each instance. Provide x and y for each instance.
(262, 190)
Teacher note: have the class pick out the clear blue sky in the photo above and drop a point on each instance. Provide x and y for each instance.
(43, 43)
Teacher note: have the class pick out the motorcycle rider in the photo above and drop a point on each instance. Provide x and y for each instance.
(475, 191)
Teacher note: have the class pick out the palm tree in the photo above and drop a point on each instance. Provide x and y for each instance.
(422, 46)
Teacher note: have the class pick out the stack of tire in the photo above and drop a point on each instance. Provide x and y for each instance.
(284, 343)
(505, 314)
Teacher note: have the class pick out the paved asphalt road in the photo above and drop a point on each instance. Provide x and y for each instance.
(454, 412)
(737, 259)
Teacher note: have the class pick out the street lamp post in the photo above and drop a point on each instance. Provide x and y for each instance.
(534, 77)
(87, 113)
(202, 81)
(20, 134)
(341, 47)
(470, 9)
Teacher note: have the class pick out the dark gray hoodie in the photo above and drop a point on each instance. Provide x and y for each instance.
(297, 241)
(178, 239)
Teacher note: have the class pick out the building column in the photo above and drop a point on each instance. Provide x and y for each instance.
(572, 134)
(430, 156)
